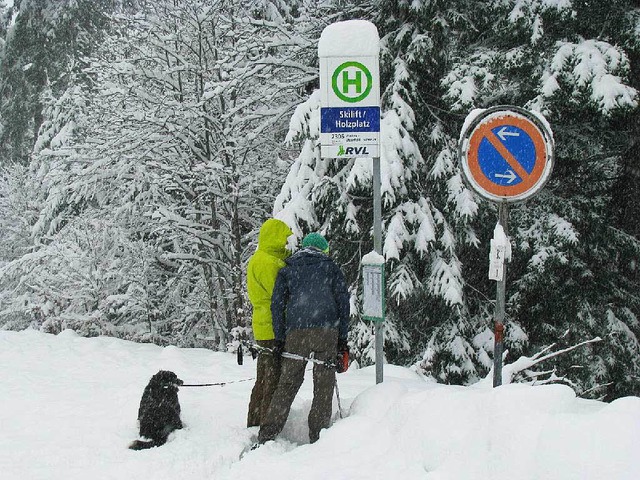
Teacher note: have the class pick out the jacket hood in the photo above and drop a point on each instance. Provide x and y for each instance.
(273, 236)
(307, 256)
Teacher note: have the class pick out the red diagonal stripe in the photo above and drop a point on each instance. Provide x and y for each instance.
(506, 154)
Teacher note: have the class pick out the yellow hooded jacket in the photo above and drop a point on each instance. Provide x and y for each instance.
(262, 271)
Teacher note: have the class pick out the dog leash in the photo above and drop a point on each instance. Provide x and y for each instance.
(254, 348)
(218, 384)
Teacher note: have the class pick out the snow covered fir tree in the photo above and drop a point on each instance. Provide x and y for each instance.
(144, 142)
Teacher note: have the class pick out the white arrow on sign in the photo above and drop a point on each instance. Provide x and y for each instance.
(510, 175)
(503, 133)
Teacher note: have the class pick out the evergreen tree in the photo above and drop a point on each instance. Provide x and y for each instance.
(45, 40)
(574, 268)
(419, 39)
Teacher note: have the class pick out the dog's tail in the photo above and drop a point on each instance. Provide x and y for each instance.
(144, 444)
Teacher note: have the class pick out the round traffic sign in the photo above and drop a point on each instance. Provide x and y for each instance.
(506, 154)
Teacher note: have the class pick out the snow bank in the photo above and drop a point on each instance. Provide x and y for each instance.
(69, 406)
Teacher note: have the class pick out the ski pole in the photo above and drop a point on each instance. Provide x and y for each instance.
(338, 397)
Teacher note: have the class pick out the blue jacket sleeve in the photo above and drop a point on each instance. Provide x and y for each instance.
(341, 294)
(278, 305)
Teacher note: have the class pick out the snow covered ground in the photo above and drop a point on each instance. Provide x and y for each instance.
(68, 409)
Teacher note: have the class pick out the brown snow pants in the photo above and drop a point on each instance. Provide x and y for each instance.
(267, 375)
(323, 344)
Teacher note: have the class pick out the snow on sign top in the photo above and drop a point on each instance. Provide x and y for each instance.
(352, 37)
(372, 258)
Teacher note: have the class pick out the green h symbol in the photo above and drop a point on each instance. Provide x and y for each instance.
(341, 88)
(347, 82)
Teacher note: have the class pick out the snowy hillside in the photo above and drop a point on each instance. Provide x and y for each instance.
(69, 407)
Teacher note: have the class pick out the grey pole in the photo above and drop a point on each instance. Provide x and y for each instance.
(377, 245)
(503, 219)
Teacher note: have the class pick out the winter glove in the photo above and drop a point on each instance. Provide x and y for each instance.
(343, 356)
(254, 351)
(278, 348)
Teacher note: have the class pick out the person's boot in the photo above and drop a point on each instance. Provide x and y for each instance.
(266, 434)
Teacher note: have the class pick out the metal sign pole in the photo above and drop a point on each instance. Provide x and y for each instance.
(506, 155)
(377, 246)
(348, 54)
(503, 219)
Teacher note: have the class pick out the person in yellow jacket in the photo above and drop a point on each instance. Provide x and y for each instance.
(262, 271)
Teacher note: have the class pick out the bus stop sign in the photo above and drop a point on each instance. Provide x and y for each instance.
(506, 153)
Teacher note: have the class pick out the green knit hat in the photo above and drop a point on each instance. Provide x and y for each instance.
(316, 240)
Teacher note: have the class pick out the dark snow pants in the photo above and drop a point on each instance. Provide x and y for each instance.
(267, 375)
(323, 344)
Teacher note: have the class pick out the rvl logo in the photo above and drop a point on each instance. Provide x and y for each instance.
(352, 151)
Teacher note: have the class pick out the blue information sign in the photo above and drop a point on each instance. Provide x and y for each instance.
(349, 119)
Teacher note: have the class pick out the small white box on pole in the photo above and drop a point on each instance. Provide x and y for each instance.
(499, 253)
(373, 297)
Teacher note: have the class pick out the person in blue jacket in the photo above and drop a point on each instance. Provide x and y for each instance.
(310, 312)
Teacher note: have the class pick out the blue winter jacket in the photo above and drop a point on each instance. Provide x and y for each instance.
(310, 292)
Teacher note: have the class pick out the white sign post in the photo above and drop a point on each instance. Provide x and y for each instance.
(350, 90)
(350, 124)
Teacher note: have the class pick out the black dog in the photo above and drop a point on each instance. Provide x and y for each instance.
(159, 412)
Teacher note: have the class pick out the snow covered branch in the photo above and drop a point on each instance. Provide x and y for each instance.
(523, 365)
